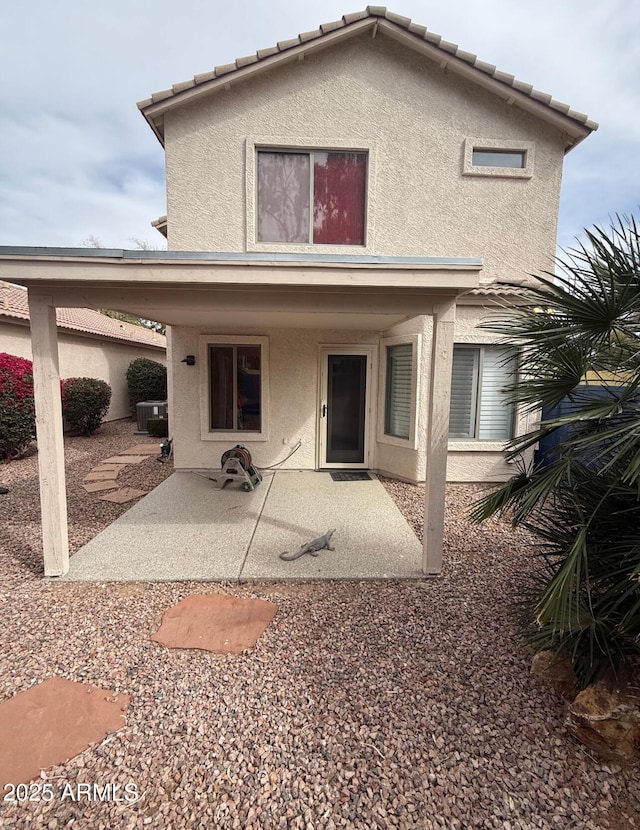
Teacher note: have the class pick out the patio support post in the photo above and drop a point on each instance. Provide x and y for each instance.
(46, 383)
(444, 316)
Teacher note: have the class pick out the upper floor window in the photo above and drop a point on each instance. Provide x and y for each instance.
(311, 197)
(498, 158)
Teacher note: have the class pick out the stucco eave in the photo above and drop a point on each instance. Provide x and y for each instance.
(450, 276)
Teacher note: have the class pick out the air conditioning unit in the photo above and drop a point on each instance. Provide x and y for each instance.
(149, 409)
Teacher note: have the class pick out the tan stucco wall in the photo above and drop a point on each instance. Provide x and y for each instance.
(293, 396)
(86, 357)
(414, 119)
(412, 116)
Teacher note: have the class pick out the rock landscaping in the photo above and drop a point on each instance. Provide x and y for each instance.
(362, 705)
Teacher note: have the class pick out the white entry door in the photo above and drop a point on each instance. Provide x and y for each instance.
(344, 415)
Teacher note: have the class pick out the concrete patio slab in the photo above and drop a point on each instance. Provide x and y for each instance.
(185, 529)
(372, 538)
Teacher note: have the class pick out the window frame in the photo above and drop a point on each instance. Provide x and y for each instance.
(480, 349)
(310, 154)
(415, 341)
(208, 434)
(255, 144)
(499, 145)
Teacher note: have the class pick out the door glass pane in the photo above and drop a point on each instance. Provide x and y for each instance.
(249, 388)
(346, 381)
(339, 181)
(221, 386)
(283, 197)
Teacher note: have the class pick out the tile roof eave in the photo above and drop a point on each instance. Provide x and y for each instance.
(14, 308)
(578, 125)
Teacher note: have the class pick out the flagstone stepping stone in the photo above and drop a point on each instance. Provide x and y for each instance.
(99, 475)
(126, 459)
(113, 468)
(52, 722)
(124, 495)
(219, 623)
(100, 486)
(143, 449)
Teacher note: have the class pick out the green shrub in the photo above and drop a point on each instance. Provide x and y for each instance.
(158, 427)
(85, 402)
(17, 412)
(146, 381)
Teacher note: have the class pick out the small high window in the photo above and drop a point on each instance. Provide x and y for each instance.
(498, 158)
(501, 158)
(311, 197)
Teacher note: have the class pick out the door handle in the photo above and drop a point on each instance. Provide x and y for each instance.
(324, 410)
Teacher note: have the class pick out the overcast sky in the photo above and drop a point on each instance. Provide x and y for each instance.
(78, 160)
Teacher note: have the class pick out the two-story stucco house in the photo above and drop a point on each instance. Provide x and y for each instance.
(343, 209)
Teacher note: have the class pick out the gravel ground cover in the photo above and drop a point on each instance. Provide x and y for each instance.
(363, 705)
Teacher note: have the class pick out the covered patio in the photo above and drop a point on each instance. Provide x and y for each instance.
(248, 292)
(187, 527)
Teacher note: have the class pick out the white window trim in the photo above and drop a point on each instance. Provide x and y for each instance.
(506, 144)
(415, 340)
(280, 144)
(483, 444)
(206, 340)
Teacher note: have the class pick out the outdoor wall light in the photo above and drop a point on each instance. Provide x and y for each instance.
(190, 360)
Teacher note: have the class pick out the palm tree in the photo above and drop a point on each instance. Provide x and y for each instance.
(578, 336)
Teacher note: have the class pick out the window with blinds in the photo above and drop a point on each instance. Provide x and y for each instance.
(397, 421)
(478, 405)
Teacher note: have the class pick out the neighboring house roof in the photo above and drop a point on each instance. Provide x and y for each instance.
(160, 224)
(14, 303)
(575, 124)
(499, 289)
(495, 293)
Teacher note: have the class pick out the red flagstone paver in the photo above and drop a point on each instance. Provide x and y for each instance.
(99, 486)
(99, 475)
(52, 722)
(126, 459)
(124, 495)
(112, 468)
(218, 623)
(143, 449)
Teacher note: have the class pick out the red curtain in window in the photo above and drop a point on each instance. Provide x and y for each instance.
(339, 198)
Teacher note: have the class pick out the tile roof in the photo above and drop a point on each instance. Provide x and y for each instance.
(372, 16)
(498, 289)
(13, 303)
